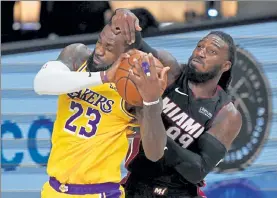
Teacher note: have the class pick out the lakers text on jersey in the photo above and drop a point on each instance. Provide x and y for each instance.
(89, 137)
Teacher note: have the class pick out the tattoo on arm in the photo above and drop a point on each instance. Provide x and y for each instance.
(226, 125)
(74, 55)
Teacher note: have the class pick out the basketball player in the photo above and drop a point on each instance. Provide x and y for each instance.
(199, 118)
(89, 137)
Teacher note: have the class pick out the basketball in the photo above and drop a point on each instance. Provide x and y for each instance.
(125, 86)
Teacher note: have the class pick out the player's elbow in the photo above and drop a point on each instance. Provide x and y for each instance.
(154, 156)
(154, 150)
(200, 170)
(194, 172)
(40, 84)
(197, 176)
(196, 180)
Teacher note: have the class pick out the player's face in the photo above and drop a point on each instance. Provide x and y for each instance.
(108, 48)
(208, 60)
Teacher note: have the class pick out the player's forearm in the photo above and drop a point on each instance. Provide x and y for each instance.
(55, 79)
(194, 166)
(143, 46)
(153, 133)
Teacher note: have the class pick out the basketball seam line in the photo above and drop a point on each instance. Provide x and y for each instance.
(128, 71)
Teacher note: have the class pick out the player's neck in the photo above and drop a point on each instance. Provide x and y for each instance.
(204, 90)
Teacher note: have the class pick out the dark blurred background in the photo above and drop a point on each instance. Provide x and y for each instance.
(24, 20)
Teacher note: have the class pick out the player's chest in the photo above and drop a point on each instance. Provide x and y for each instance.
(185, 120)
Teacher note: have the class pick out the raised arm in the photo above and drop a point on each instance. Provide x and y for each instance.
(152, 130)
(61, 76)
(166, 59)
(127, 23)
(213, 145)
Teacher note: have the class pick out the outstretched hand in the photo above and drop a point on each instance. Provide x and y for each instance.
(126, 23)
(150, 85)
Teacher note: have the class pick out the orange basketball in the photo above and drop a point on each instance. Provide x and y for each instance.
(125, 86)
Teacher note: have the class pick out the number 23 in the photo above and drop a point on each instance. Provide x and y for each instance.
(92, 123)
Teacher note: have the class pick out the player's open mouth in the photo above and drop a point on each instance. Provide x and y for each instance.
(195, 60)
(96, 60)
(197, 63)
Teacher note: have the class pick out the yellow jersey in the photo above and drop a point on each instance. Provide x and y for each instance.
(89, 139)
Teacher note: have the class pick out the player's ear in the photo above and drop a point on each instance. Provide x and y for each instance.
(226, 66)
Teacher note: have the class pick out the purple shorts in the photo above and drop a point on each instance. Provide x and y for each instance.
(111, 190)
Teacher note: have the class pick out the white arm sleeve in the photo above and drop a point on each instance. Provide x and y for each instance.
(55, 78)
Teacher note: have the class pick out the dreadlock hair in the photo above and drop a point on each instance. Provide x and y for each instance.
(226, 77)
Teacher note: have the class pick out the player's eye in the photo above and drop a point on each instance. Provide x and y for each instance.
(109, 48)
(212, 51)
(199, 46)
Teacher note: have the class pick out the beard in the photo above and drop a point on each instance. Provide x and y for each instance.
(200, 77)
(93, 67)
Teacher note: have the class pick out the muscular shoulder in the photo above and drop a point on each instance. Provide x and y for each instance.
(229, 112)
(170, 61)
(227, 124)
(74, 55)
